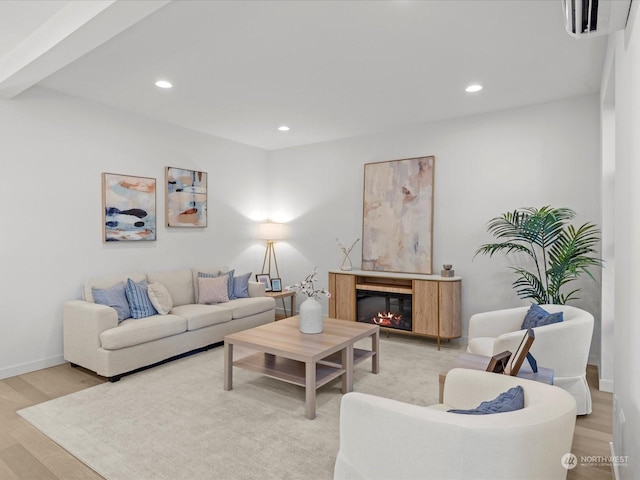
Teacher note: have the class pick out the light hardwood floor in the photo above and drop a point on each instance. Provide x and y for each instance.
(26, 454)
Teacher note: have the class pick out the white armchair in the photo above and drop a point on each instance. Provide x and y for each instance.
(564, 346)
(383, 439)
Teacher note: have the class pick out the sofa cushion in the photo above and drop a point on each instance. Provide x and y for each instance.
(538, 317)
(241, 285)
(134, 332)
(512, 399)
(213, 290)
(200, 316)
(244, 307)
(108, 281)
(113, 297)
(213, 271)
(178, 282)
(138, 298)
(160, 298)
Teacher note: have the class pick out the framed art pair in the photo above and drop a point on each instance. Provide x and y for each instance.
(129, 203)
(270, 284)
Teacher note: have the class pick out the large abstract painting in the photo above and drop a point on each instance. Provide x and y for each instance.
(397, 223)
(129, 207)
(186, 198)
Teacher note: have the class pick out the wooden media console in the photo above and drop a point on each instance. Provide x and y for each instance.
(434, 300)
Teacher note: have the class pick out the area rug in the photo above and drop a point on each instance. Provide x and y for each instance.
(175, 421)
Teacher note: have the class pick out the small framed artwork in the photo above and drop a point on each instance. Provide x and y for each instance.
(498, 362)
(276, 285)
(264, 278)
(186, 198)
(515, 362)
(128, 208)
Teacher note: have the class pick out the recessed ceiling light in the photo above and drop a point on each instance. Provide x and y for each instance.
(283, 128)
(473, 88)
(163, 84)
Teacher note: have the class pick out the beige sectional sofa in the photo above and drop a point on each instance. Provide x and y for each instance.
(94, 339)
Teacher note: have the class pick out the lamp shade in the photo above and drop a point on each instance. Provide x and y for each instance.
(271, 231)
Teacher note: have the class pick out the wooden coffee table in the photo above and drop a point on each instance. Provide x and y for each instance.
(307, 360)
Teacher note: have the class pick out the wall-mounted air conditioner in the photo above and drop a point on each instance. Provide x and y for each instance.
(586, 18)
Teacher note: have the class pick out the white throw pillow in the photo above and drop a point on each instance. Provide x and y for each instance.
(160, 298)
(213, 290)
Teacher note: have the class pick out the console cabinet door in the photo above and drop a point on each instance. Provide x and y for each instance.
(425, 307)
(342, 304)
(450, 315)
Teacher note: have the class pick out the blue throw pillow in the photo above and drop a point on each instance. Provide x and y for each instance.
(139, 301)
(114, 297)
(241, 285)
(538, 316)
(512, 399)
(219, 274)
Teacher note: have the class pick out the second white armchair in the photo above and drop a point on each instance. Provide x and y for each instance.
(564, 346)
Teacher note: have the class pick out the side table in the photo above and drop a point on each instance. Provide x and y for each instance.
(474, 361)
(287, 293)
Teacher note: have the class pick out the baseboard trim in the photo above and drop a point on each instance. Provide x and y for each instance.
(605, 385)
(22, 368)
(616, 470)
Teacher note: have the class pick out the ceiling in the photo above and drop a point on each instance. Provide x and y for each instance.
(327, 69)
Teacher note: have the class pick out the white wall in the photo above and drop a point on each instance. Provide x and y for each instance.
(626, 328)
(485, 165)
(53, 150)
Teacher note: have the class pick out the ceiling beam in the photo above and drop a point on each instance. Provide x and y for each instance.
(72, 32)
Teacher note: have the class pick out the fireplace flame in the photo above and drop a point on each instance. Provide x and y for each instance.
(388, 319)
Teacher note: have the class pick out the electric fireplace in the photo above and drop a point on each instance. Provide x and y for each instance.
(387, 309)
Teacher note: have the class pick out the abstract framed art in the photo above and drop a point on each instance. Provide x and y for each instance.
(128, 207)
(186, 198)
(397, 227)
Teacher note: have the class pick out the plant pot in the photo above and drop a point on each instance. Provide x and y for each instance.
(311, 316)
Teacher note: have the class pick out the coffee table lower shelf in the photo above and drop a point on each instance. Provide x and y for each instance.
(287, 370)
(335, 359)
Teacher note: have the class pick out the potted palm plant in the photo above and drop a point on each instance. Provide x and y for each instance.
(560, 252)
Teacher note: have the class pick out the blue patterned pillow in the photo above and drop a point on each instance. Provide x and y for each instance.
(138, 297)
(114, 297)
(512, 399)
(241, 285)
(219, 274)
(538, 316)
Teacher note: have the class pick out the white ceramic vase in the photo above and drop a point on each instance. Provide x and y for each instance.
(311, 316)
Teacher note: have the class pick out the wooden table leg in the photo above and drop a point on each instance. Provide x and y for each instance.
(293, 302)
(347, 364)
(375, 347)
(228, 366)
(310, 390)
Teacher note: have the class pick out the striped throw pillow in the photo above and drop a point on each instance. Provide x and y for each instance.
(138, 298)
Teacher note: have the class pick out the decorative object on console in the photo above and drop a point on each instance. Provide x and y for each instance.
(560, 252)
(397, 226)
(264, 278)
(311, 320)
(270, 231)
(128, 207)
(346, 262)
(186, 198)
(447, 271)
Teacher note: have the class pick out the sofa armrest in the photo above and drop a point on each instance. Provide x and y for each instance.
(494, 324)
(83, 322)
(256, 289)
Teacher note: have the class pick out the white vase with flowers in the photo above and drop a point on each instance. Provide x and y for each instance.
(311, 320)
